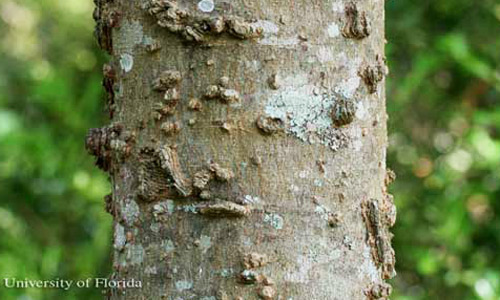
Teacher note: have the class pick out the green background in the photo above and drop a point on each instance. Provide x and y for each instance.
(444, 131)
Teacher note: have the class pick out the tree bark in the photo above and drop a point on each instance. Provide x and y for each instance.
(247, 148)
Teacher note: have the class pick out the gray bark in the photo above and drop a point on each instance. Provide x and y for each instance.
(247, 148)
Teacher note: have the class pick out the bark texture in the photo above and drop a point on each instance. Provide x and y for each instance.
(247, 148)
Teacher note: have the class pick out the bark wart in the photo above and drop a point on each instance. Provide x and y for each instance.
(277, 190)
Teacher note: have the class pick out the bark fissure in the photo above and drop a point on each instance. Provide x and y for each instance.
(379, 238)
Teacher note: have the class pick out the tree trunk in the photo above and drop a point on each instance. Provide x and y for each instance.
(247, 148)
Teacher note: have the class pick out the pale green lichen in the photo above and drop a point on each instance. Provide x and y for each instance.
(333, 30)
(167, 245)
(249, 199)
(206, 6)
(135, 254)
(318, 182)
(183, 285)
(164, 207)
(205, 243)
(120, 239)
(226, 273)
(322, 211)
(306, 110)
(126, 62)
(170, 206)
(274, 220)
(307, 113)
(130, 211)
(147, 40)
(150, 270)
(155, 227)
(249, 277)
(189, 208)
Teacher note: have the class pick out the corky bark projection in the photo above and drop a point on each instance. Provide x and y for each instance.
(246, 148)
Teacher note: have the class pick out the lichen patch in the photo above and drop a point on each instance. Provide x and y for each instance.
(205, 243)
(126, 62)
(307, 112)
(135, 254)
(206, 6)
(120, 238)
(274, 220)
(130, 211)
(183, 285)
(333, 30)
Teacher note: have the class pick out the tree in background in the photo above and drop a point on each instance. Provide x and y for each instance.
(247, 149)
(52, 222)
(444, 144)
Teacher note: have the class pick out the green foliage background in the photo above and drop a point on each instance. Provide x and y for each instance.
(443, 103)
